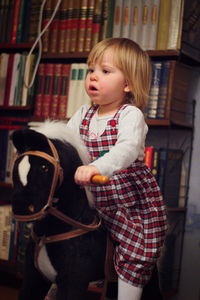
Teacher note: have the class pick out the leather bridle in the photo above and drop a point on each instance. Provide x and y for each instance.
(80, 228)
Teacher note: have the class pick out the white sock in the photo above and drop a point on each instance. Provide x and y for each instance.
(127, 291)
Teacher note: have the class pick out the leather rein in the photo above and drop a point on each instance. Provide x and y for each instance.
(49, 209)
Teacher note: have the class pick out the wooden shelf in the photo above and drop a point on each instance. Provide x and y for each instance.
(176, 209)
(16, 46)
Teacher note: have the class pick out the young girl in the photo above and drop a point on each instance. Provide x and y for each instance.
(114, 131)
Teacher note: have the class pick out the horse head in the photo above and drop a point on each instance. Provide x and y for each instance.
(43, 173)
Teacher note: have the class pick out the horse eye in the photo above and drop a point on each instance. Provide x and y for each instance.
(44, 168)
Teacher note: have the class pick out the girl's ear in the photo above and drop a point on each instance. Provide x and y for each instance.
(126, 87)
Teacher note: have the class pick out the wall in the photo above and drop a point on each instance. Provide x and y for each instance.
(189, 288)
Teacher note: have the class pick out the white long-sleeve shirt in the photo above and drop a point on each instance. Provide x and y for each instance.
(131, 137)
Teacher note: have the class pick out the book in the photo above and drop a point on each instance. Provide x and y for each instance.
(8, 79)
(174, 24)
(14, 79)
(3, 151)
(143, 38)
(4, 58)
(74, 25)
(148, 158)
(11, 154)
(62, 25)
(22, 10)
(82, 25)
(89, 22)
(155, 163)
(117, 24)
(72, 89)
(154, 15)
(46, 17)
(16, 11)
(126, 19)
(154, 90)
(56, 90)
(97, 20)
(190, 35)
(163, 89)
(68, 25)
(163, 25)
(28, 70)
(5, 230)
(8, 21)
(170, 161)
(4, 5)
(64, 91)
(34, 20)
(110, 20)
(104, 19)
(48, 87)
(136, 20)
(54, 30)
(39, 90)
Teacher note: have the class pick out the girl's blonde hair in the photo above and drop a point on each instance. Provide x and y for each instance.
(134, 64)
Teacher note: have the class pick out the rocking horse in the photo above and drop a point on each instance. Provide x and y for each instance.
(68, 243)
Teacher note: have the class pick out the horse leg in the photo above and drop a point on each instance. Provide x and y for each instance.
(34, 285)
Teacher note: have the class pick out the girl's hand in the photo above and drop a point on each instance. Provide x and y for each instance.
(84, 174)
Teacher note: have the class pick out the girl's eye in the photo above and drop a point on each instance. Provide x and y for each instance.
(90, 70)
(105, 71)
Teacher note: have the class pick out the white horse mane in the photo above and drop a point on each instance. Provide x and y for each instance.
(58, 130)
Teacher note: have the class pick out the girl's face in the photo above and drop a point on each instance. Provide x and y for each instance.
(105, 83)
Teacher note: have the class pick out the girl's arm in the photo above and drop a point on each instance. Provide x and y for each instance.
(129, 146)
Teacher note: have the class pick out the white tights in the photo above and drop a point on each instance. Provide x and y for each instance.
(127, 291)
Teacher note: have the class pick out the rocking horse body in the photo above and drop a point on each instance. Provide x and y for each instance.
(67, 245)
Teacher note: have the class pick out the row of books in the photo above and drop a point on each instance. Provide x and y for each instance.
(167, 165)
(60, 90)
(14, 70)
(7, 149)
(79, 24)
(153, 24)
(19, 20)
(158, 95)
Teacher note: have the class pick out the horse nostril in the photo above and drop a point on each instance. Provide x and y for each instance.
(31, 208)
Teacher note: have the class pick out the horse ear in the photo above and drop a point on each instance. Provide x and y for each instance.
(27, 139)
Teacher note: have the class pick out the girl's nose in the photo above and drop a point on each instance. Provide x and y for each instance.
(93, 76)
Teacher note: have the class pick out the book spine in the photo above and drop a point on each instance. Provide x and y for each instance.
(56, 90)
(33, 20)
(136, 20)
(3, 75)
(8, 79)
(54, 30)
(89, 21)
(154, 15)
(62, 26)
(39, 90)
(110, 19)
(15, 21)
(63, 97)
(48, 85)
(82, 25)
(174, 23)
(97, 19)
(155, 163)
(19, 35)
(5, 231)
(117, 24)
(148, 158)
(154, 90)
(46, 17)
(146, 24)
(163, 25)
(104, 21)
(74, 25)
(126, 19)
(68, 26)
(163, 90)
(3, 152)
(72, 89)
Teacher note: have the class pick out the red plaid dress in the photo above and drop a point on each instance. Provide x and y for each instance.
(131, 206)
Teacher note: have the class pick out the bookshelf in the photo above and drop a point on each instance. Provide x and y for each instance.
(170, 122)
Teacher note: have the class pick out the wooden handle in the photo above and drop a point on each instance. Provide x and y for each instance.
(99, 179)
